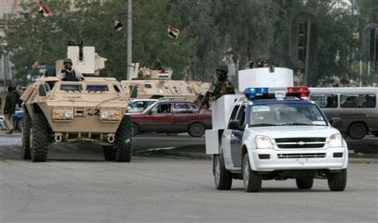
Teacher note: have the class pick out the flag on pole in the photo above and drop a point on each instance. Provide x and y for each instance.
(173, 32)
(44, 10)
(117, 24)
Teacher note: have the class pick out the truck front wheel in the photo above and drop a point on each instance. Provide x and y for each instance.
(252, 181)
(123, 144)
(337, 181)
(222, 178)
(305, 183)
(25, 136)
(39, 138)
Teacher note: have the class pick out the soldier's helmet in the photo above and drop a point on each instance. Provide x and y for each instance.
(67, 60)
(222, 71)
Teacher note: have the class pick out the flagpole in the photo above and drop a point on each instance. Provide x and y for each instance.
(129, 39)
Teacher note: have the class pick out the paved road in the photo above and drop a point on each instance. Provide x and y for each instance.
(169, 189)
(76, 185)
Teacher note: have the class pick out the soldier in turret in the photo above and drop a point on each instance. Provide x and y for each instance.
(68, 73)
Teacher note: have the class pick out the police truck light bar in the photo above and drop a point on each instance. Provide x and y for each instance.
(253, 93)
(298, 91)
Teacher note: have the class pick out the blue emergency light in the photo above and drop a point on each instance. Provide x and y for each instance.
(253, 93)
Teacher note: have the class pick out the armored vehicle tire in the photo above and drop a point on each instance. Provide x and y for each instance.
(357, 130)
(25, 137)
(222, 178)
(135, 129)
(39, 138)
(196, 129)
(123, 144)
(305, 183)
(251, 180)
(337, 181)
(109, 153)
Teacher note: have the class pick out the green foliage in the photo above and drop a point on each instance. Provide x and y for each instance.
(252, 28)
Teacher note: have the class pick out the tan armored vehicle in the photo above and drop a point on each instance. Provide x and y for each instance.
(70, 111)
(158, 83)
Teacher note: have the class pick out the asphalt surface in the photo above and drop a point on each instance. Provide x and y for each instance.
(365, 150)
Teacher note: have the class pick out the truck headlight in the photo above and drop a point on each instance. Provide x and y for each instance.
(335, 140)
(110, 114)
(263, 142)
(63, 113)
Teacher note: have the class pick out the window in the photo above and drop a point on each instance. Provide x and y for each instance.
(182, 108)
(97, 88)
(70, 88)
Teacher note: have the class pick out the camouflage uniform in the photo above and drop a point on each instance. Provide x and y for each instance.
(223, 86)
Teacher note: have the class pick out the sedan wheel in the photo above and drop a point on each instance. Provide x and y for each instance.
(196, 129)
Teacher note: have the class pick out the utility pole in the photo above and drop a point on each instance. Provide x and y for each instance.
(129, 39)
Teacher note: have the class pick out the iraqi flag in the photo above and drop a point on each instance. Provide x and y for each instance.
(117, 25)
(173, 32)
(44, 10)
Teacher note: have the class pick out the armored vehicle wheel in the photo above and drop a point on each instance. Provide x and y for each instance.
(337, 181)
(196, 129)
(251, 180)
(124, 140)
(357, 130)
(222, 178)
(25, 137)
(109, 153)
(305, 183)
(39, 138)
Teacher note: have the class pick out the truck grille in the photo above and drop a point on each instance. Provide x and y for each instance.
(300, 155)
(299, 143)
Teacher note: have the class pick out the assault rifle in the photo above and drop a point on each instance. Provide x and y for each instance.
(205, 100)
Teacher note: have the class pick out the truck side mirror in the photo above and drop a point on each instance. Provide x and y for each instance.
(235, 124)
(335, 122)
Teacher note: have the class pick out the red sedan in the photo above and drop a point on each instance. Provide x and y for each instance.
(167, 116)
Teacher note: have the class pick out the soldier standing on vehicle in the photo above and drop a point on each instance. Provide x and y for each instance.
(9, 109)
(223, 86)
(68, 73)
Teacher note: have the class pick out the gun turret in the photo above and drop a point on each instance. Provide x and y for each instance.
(84, 59)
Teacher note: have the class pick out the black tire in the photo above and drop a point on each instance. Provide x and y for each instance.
(357, 130)
(222, 178)
(251, 180)
(109, 153)
(135, 129)
(123, 144)
(305, 183)
(375, 133)
(39, 138)
(25, 136)
(337, 181)
(196, 129)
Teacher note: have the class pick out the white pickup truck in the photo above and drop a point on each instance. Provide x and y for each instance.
(274, 133)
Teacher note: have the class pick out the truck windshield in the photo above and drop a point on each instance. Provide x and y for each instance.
(282, 114)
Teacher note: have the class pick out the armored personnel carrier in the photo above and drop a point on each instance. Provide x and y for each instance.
(150, 83)
(92, 109)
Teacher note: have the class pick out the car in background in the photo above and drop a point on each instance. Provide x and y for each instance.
(18, 119)
(139, 105)
(2, 125)
(172, 116)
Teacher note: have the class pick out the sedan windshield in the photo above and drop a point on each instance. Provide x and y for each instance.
(286, 114)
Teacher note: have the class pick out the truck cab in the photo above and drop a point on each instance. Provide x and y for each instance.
(274, 133)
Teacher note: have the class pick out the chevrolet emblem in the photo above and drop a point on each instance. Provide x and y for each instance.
(301, 143)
